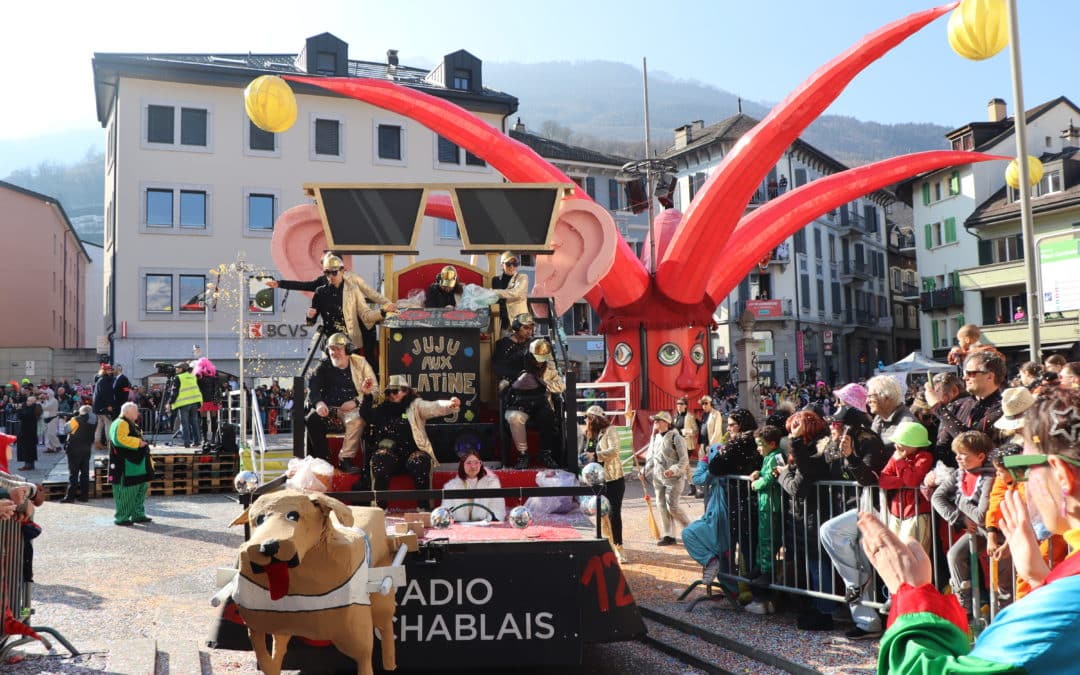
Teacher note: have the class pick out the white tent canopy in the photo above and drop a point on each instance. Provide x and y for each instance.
(915, 362)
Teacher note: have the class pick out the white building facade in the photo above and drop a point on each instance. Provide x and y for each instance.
(821, 302)
(191, 184)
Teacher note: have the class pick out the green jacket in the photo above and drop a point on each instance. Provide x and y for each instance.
(767, 487)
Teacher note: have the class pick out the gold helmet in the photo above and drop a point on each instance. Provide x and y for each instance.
(332, 262)
(337, 340)
(508, 256)
(447, 277)
(540, 350)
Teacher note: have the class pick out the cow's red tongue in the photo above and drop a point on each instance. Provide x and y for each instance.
(277, 573)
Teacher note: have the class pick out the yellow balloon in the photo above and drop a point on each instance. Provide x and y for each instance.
(1035, 172)
(978, 29)
(270, 103)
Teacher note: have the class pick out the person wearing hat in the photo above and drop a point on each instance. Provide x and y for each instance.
(984, 375)
(665, 467)
(600, 443)
(445, 291)
(403, 447)
(908, 509)
(1015, 402)
(685, 423)
(342, 299)
(529, 402)
(854, 452)
(185, 401)
(512, 288)
(103, 400)
(711, 430)
(340, 393)
(508, 355)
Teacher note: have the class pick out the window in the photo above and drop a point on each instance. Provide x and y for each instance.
(193, 209)
(260, 211)
(590, 187)
(389, 142)
(800, 241)
(696, 181)
(1050, 183)
(954, 183)
(192, 293)
(158, 295)
(260, 296)
(1006, 249)
(462, 79)
(817, 243)
(162, 120)
(950, 230)
(326, 63)
(804, 289)
(473, 160)
(800, 177)
(933, 235)
(328, 137)
(159, 208)
(448, 152)
(820, 296)
(159, 124)
(166, 208)
(832, 248)
(448, 230)
(836, 297)
(613, 194)
(937, 191)
(259, 140)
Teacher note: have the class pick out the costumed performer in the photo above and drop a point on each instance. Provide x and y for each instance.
(512, 289)
(600, 443)
(472, 475)
(130, 468)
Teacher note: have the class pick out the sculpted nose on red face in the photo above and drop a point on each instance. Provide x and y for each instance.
(688, 380)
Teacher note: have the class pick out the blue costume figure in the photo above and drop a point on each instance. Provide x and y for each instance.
(708, 539)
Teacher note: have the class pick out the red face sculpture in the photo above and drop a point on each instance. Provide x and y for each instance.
(657, 321)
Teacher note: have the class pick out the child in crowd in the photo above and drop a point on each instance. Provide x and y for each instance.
(766, 486)
(909, 510)
(962, 499)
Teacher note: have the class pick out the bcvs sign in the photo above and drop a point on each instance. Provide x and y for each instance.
(289, 331)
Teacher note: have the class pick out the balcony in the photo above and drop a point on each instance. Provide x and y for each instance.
(1060, 331)
(905, 242)
(906, 290)
(941, 298)
(766, 310)
(854, 270)
(997, 275)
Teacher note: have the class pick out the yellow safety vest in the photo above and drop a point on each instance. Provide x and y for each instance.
(189, 391)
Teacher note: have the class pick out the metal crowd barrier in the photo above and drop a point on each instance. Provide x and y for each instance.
(801, 565)
(15, 596)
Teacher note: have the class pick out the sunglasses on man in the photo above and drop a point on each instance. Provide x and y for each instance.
(396, 390)
(510, 263)
(1018, 466)
(331, 273)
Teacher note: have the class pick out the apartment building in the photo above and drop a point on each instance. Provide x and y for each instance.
(821, 300)
(969, 252)
(192, 184)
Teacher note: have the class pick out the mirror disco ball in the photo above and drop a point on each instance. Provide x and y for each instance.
(520, 517)
(593, 474)
(246, 482)
(441, 518)
(588, 506)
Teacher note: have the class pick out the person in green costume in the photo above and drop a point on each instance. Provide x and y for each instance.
(129, 467)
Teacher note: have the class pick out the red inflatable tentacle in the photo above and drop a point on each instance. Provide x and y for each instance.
(627, 281)
(713, 214)
(516, 161)
(769, 225)
(440, 206)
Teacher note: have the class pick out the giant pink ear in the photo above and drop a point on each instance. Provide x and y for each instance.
(298, 243)
(583, 250)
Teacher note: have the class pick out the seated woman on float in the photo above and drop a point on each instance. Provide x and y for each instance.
(471, 475)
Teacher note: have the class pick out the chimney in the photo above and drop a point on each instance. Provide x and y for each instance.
(519, 126)
(391, 57)
(995, 110)
(1071, 136)
(683, 136)
(698, 124)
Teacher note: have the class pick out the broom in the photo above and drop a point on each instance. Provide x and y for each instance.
(653, 529)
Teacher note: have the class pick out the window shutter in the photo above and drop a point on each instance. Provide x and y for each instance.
(327, 135)
(950, 230)
(934, 335)
(954, 183)
(954, 279)
(926, 194)
(959, 320)
(389, 141)
(929, 235)
(448, 152)
(986, 252)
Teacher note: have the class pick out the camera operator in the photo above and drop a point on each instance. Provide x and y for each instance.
(341, 386)
(186, 400)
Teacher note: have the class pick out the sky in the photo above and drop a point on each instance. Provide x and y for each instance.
(760, 50)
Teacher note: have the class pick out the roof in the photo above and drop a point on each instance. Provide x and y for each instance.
(1004, 129)
(229, 69)
(554, 150)
(733, 128)
(998, 209)
(50, 200)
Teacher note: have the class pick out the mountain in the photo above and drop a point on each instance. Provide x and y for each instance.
(78, 185)
(62, 147)
(599, 104)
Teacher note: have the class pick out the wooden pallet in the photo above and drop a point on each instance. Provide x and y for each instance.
(211, 485)
(169, 488)
(54, 492)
